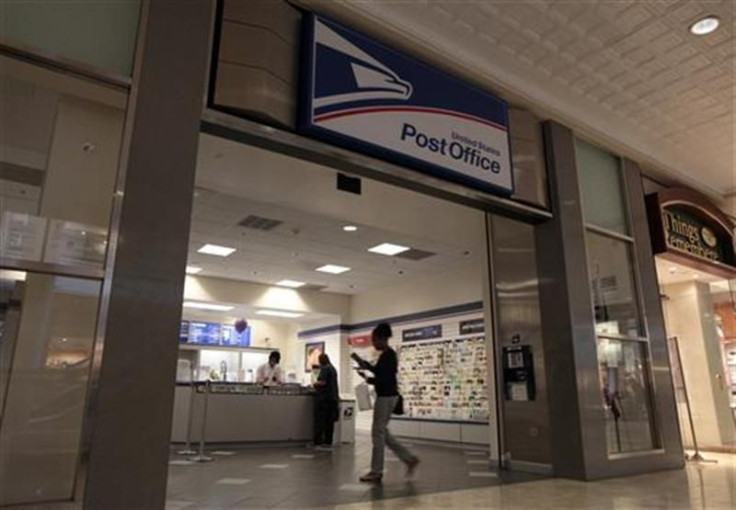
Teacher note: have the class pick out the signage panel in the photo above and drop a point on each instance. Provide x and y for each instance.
(365, 96)
(470, 327)
(423, 333)
(687, 228)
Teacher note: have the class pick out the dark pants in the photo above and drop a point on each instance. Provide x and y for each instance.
(325, 414)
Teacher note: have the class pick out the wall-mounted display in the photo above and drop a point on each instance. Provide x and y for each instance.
(445, 379)
(204, 333)
(184, 332)
(311, 354)
(232, 338)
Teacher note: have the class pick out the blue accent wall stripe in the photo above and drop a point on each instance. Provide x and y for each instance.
(399, 319)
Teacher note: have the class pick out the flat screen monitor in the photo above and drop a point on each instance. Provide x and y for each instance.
(232, 338)
(204, 333)
(184, 332)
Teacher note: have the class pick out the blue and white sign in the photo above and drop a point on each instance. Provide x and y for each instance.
(360, 94)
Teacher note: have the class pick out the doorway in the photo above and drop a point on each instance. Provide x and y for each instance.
(310, 261)
(700, 317)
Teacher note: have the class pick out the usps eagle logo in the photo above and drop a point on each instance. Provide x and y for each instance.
(357, 76)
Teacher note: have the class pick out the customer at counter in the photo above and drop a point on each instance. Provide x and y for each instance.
(270, 373)
(327, 402)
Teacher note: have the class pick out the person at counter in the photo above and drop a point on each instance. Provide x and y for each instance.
(327, 402)
(270, 373)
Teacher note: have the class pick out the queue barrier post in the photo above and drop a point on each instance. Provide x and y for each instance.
(201, 457)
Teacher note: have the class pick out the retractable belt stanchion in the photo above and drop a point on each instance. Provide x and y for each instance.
(188, 447)
(201, 457)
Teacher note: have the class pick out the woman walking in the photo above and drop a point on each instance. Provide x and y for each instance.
(387, 396)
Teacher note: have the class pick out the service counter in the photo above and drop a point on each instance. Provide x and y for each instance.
(243, 412)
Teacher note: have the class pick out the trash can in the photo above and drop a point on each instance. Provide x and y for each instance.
(345, 433)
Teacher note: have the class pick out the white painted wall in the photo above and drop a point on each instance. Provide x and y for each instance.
(456, 287)
(202, 288)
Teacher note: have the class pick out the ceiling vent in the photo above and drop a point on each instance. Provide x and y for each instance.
(414, 254)
(313, 286)
(260, 223)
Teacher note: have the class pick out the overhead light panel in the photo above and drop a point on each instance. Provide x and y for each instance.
(333, 269)
(214, 249)
(193, 269)
(280, 313)
(292, 284)
(389, 249)
(214, 307)
(705, 26)
(350, 228)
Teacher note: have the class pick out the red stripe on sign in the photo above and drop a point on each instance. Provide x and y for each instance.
(380, 109)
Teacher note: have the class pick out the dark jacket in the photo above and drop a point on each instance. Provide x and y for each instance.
(384, 374)
(329, 390)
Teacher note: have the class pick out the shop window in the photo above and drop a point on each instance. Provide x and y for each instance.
(601, 188)
(61, 139)
(47, 331)
(626, 389)
(99, 34)
(613, 286)
(57, 170)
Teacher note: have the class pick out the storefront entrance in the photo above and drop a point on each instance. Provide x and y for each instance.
(294, 257)
(700, 314)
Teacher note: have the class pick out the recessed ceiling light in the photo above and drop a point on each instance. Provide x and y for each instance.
(279, 313)
(293, 284)
(389, 249)
(349, 228)
(214, 249)
(333, 269)
(208, 306)
(705, 26)
(673, 270)
(193, 269)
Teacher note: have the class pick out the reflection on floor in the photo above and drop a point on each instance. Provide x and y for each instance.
(292, 477)
(296, 477)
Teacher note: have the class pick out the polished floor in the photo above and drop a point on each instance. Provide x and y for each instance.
(449, 478)
(294, 476)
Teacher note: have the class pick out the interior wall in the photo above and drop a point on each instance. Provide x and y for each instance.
(690, 317)
(459, 286)
(202, 288)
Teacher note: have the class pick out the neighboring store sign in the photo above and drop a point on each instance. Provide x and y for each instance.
(685, 226)
(472, 326)
(423, 333)
(366, 96)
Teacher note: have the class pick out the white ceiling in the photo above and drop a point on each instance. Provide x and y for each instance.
(235, 181)
(625, 73)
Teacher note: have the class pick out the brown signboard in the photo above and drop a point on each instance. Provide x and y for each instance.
(689, 229)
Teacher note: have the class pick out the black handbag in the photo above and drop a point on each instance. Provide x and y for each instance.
(399, 407)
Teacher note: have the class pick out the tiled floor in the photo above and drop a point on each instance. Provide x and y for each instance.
(295, 477)
(329, 480)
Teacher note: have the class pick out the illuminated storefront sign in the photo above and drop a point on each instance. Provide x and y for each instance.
(687, 228)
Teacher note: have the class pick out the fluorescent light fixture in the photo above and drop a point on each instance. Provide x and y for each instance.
(193, 269)
(279, 313)
(389, 249)
(349, 228)
(333, 269)
(214, 307)
(214, 249)
(705, 26)
(292, 284)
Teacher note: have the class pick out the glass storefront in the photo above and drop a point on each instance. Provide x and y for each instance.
(700, 314)
(623, 347)
(59, 153)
